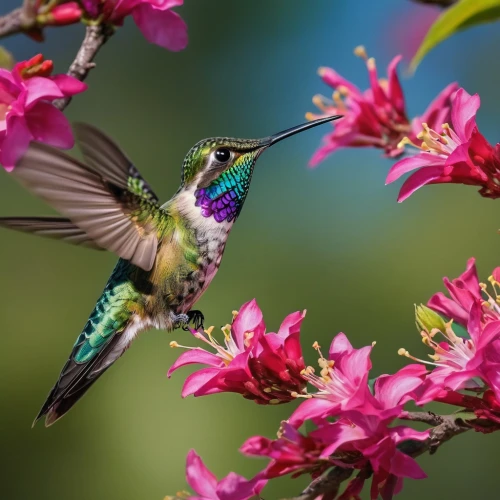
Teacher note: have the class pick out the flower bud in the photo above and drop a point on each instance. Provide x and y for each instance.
(427, 320)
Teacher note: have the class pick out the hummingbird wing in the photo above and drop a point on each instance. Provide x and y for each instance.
(51, 227)
(103, 155)
(113, 215)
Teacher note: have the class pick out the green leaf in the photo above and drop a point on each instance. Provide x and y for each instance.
(6, 59)
(464, 14)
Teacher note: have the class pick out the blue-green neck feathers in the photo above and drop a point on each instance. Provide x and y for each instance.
(223, 198)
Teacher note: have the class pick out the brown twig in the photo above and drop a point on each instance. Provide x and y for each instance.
(12, 23)
(95, 37)
(444, 428)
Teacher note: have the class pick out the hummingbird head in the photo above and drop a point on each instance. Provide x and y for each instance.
(220, 169)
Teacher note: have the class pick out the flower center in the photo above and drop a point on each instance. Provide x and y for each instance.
(432, 142)
(332, 384)
(454, 352)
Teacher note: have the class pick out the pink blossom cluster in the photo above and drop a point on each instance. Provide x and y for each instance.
(355, 418)
(445, 145)
(29, 92)
(27, 112)
(264, 367)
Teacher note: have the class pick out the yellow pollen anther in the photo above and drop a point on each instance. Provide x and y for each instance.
(174, 344)
(434, 357)
(360, 51)
(248, 336)
(403, 352)
(310, 116)
(318, 101)
(235, 313)
(322, 70)
(407, 141)
(371, 63)
(344, 91)
(316, 345)
(209, 330)
(268, 390)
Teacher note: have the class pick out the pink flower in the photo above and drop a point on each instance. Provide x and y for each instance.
(459, 361)
(358, 438)
(262, 367)
(391, 392)
(206, 486)
(459, 154)
(157, 22)
(466, 291)
(342, 383)
(291, 453)
(376, 117)
(26, 111)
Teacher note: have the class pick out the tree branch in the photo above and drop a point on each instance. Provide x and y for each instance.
(11, 23)
(95, 37)
(444, 428)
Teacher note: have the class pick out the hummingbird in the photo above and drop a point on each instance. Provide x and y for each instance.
(168, 253)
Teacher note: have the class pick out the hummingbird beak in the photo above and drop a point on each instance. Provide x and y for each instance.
(273, 139)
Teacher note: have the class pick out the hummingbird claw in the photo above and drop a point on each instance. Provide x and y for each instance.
(197, 318)
(182, 320)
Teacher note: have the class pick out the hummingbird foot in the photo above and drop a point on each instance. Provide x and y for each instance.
(196, 317)
(182, 320)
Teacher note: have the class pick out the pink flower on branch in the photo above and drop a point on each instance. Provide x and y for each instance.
(343, 385)
(207, 487)
(375, 117)
(358, 439)
(263, 367)
(26, 110)
(465, 291)
(458, 154)
(291, 453)
(459, 363)
(157, 22)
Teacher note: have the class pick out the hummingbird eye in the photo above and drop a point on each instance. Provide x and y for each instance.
(222, 155)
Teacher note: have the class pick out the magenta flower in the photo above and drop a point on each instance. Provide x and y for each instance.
(262, 367)
(466, 291)
(362, 438)
(157, 22)
(460, 361)
(342, 383)
(376, 117)
(291, 453)
(206, 486)
(459, 154)
(26, 110)
(391, 392)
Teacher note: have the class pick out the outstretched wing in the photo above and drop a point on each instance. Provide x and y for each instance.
(51, 227)
(102, 198)
(104, 156)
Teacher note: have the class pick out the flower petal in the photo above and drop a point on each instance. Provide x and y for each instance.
(161, 27)
(196, 355)
(411, 163)
(196, 382)
(16, 141)
(68, 85)
(39, 88)
(236, 487)
(199, 477)
(312, 408)
(50, 126)
(420, 178)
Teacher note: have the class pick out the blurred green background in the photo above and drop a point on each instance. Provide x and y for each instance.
(331, 240)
